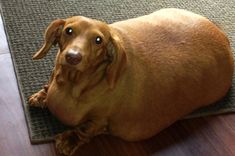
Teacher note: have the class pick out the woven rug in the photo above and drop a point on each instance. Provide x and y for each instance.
(26, 20)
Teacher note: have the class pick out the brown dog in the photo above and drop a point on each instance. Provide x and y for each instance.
(132, 78)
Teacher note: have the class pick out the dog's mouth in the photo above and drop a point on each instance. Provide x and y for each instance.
(81, 67)
(67, 73)
(69, 66)
(73, 72)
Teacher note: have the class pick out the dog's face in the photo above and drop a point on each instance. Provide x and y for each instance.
(84, 43)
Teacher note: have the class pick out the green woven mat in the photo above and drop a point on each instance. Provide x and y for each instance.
(26, 20)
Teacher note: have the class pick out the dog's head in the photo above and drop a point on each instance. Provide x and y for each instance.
(83, 44)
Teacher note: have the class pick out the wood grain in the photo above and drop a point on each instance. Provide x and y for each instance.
(14, 139)
(4, 46)
(209, 136)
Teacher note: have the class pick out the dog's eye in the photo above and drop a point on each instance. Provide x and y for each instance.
(98, 40)
(69, 31)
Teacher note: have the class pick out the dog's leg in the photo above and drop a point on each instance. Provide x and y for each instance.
(38, 99)
(69, 141)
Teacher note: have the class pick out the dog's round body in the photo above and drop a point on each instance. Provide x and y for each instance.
(167, 64)
(177, 61)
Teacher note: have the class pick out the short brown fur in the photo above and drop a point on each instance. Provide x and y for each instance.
(149, 72)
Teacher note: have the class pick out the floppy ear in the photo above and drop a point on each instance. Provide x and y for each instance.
(51, 36)
(118, 59)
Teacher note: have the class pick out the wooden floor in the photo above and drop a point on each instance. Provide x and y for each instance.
(209, 136)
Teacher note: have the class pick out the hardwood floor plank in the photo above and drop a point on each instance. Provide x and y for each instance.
(14, 139)
(204, 139)
(4, 46)
(223, 127)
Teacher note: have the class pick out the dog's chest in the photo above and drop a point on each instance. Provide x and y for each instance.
(62, 104)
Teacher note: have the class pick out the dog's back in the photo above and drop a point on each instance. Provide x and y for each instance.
(177, 61)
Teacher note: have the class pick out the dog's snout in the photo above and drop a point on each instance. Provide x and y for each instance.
(73, 57)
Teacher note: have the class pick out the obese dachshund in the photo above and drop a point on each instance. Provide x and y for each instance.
(132, 78)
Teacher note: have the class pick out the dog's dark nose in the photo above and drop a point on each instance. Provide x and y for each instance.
(73, 57)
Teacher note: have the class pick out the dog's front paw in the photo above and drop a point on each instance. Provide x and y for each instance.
(38, 99)
(67, 143)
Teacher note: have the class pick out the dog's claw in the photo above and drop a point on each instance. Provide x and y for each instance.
(38, 99)
(67, 143)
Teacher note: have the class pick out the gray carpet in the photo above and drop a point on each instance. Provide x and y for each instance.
(26, 20)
